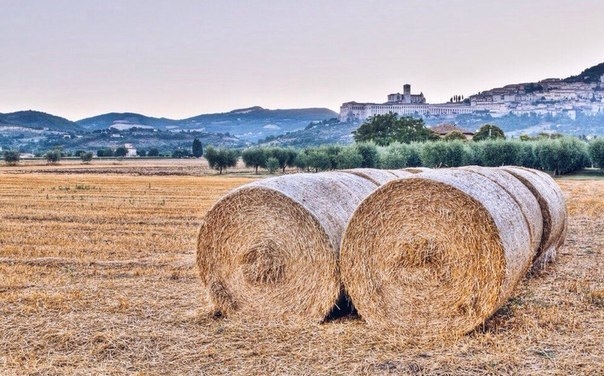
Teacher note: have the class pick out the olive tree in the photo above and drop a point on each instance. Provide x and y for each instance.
(11, 157)
(220, 159)
(596, 152)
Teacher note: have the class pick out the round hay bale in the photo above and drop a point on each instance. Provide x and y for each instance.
(377, 176)
(434, 254)
(270, 248)
(401, 173)
(553, 209)
(416, 170)
(521, 194)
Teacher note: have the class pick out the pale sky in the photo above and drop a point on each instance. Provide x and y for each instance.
(180, 58)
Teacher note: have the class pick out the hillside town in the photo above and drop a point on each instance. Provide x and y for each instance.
(552, 96)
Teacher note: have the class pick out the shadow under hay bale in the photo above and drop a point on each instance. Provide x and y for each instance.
(271, 248)
(553, 209)
(435, 254)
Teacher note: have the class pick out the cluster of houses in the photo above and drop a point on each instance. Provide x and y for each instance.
(548, 97)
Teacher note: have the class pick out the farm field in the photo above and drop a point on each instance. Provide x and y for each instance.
(98, 276)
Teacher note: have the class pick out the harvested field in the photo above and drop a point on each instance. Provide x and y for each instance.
(98, 275)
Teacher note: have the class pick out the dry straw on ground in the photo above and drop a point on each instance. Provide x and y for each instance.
(553, 209)
(270, 248)
(102, 281)
(434, 254)
(523, 197)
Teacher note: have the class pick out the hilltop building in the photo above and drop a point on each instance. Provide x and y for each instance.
(402, 104)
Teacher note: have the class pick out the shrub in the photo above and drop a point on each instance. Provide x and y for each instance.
(11, 157)
(86, 156)
(562, 155)
(370, 154)
(348, 157)
(53, 156)
(318, 159)
(596, 152)
(454, 135)
(254, 157)
(220, 159)
(493, 153)
(272, 164)
(396, 155)
(443, 154)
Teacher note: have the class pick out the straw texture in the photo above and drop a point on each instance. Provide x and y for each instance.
(416, 170)
(523, 197)
(553, 209)
(270, 248)
(434, 254)
(377, 176)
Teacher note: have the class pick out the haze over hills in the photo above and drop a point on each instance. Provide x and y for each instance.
(38, 120)
(32, 130)
(573, 105)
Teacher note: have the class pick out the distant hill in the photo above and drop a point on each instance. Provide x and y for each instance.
(124, 120)
(589, 75)
(318, 133)
(254, 123)
(248, 124)
(38, 120)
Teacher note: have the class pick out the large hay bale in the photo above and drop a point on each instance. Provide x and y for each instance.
(377, 176)
(553, 209)
(434, 254)
(401, 173)
(521, 194)
(271, 248)
(417, 170)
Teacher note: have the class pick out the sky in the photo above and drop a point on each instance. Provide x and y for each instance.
(181, 58)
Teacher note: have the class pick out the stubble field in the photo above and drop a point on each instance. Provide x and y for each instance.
(97, 276)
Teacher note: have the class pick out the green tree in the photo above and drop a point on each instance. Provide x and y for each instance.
(121, 151)
(86, 156)
(141, 152)
(104, 152)
(319, 160)
(454, 135)
(499, 152)
(254, 157)
(53, 156)
(596, 152)
(220, 159)
(488, 132)
(348, 157)
(272, 164)
(301, 161)
(370, 154)
(388, 128)
(443, 154)
(562, 155)
(197, 148)
(396, 155)
(11, 157)
(285, 156)
(180, 153)
(153, 152)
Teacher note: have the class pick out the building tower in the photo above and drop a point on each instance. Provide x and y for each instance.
(406, 93)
